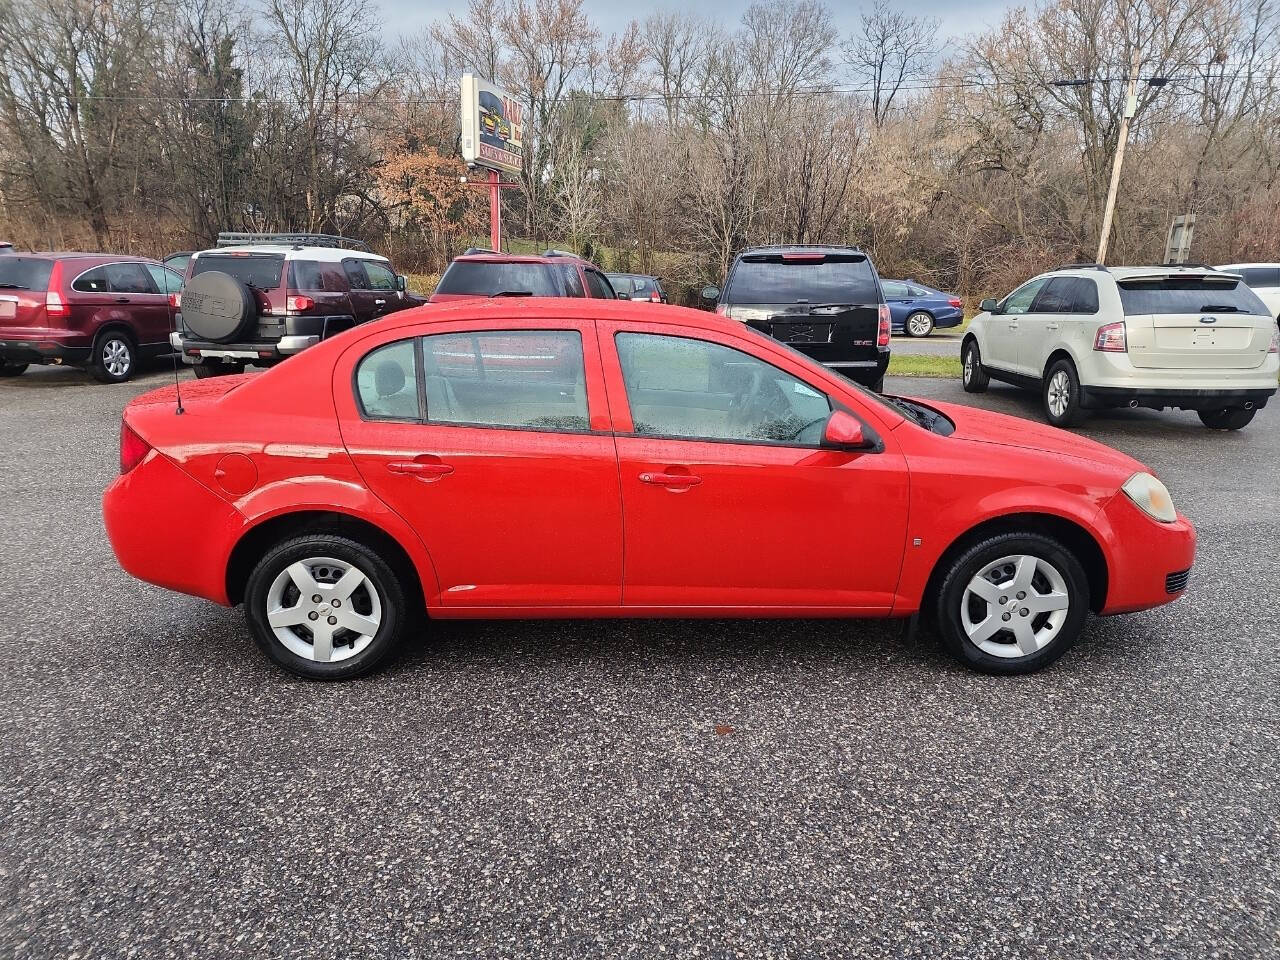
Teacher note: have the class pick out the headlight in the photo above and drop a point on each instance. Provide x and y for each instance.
(1152, 496)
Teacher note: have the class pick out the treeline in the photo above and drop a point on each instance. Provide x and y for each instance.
(150, 125)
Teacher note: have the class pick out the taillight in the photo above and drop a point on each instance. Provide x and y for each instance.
(175, 300)
(298, 304)
(54, 306)
(654, 298)
(882, 335)
(1110, 338)
(133, 449)
(1275, 342)
(956, 302)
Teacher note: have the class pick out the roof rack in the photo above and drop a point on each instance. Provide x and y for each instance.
(560, 253)
(470, 250)
(1084, 266)
(232, 239)
(1189, 266)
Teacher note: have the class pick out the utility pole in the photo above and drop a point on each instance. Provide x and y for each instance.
(1130, 108)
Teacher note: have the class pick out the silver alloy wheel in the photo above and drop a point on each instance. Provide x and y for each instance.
(1059, 393)
(1014, 606)
(919, 324)
(968, 365)
(324, 609)
(116, 357)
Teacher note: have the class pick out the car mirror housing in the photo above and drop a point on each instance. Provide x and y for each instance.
(623, 296)
(710, 292)
(843, 432)
(402, 283)
(989, 305)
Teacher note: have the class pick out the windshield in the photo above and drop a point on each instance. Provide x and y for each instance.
(1188, 295)
(24, 273)
(262, 271)
(479, 278)
(778, 278)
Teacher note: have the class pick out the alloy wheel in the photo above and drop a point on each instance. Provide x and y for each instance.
(1015, 606)
(968, 366)
(324, 609)
(1059, 393)
(116, 357)
(919, 325)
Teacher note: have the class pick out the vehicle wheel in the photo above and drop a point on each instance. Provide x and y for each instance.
(216, 368)
(1013, 603)
(113, 358)
(878, 386)
(974, 378)
(1228, 418)
(12, 369)
(325, 607)
(919, 324)
(1062, 395)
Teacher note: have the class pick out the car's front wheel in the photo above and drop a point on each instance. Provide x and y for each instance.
(1012, 603)
(919, 324)
(1227, 418)
(1062, 404)
(973, 377)
(325, 607)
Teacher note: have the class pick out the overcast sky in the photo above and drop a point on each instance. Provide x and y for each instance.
(406, 16)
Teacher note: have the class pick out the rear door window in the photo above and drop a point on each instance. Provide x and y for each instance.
(92, 281)
(892, 288)
(1055, 296)
(129, 278)
(24, 273)
(486, 278)
(356, 274)
(1183, 295)
(789, 278)
(313, 275)
(259, 270)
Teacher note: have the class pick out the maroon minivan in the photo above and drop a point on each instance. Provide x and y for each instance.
(98, 310)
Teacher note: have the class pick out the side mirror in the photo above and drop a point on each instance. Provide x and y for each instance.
(989, 305)
(843, 432)
(710, 292)
(623, 296)
(402, 283)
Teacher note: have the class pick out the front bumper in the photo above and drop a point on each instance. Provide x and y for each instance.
(1144, 557)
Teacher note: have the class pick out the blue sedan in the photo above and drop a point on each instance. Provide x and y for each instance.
(916, 309)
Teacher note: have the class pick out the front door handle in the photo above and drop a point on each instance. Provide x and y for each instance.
(379, 303)
(424, 469)
(123, 300)
(1013, 324)
(1051, 326)
(670, 479)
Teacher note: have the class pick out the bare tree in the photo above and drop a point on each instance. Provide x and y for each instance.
(890, 50)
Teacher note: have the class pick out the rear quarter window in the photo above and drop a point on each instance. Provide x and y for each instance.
(771, 278)
(479, 278)
(1188, 295)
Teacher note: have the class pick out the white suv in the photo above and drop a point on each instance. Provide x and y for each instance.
(1263, 279)
(1088, 336)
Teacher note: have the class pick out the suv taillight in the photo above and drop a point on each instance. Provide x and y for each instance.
(882, 335)
(55, 307)
(133, 449)
(1275, 342)
(175, 300)
(1110, 338)
(298, 304)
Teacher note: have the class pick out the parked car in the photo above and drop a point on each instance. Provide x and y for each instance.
(555, 273)
(5, 247)
(1091, 336)
(259, 298)
(1263, 279)
(916, 310)
(824, 301)
(178, 261)
(101, 311)
(492, 459)
(637, 286)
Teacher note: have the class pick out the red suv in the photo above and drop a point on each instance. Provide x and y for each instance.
(100, 310)
(484, 273)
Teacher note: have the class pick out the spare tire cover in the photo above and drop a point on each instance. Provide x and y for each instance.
(216, 306)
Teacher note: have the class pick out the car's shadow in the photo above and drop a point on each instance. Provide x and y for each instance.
(59, 376)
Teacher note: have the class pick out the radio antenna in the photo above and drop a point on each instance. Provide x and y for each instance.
(173, 325)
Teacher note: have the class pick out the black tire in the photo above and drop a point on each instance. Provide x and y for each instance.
(114, 358)
(1227, 418)
(12, 369)
(923, 320)
(953, 597)
(217, 307)
(878, 386)
(380, 599)
(1060, 392)
(973, 375)
(216, 368)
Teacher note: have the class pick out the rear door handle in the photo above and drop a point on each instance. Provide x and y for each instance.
(1051, 326)
(670, 479)
(426, 470)
(123, 300)
(379, 303)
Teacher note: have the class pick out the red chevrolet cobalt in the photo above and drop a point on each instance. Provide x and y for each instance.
(583, 458)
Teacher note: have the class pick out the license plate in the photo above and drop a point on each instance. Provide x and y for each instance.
(8, 309)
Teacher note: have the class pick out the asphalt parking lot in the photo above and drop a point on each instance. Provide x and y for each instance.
(574, 789)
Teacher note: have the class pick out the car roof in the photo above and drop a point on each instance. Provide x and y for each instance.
(560, 308)
(299, 252)
(1248, 266)
(82, 255)
(1130, 273)
(802, 248)
(637, 276)
(489, 256)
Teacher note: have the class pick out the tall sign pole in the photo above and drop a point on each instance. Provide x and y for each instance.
(493, 138)
(1130, 108)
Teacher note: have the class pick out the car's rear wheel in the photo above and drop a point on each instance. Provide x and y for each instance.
(973, 377)
(216, 368)
(1227, 418)
(1062, 405)
(1012, 603)
(113, 358)
(12, 369)
(325, 607)
(919, 324)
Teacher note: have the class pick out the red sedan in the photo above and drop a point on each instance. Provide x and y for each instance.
(580, 458)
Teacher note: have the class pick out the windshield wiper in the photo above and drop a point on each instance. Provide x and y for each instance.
(511, 293)
(14, 286)
(1220, 308)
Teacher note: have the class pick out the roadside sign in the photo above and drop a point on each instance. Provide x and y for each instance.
(492, 126)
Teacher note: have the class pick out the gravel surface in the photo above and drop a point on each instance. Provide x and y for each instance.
(631, 789)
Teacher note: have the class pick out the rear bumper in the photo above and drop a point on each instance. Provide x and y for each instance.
(1145, 557)
(1184, 399)
(41, 351)
(193, 351)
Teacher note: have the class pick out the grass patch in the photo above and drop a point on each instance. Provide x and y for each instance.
(908, 365)
(423, 284)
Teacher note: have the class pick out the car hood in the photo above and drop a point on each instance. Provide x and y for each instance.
(998, 429)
